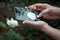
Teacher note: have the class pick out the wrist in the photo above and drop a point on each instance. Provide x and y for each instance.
(57, 10)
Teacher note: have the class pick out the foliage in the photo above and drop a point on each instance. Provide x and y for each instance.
(24, 32)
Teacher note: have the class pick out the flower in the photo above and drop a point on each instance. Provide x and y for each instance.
(12, 22)
(31, 15)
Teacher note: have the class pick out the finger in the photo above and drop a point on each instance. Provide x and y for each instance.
(29, 23)
(33, 7)
(47, 16)
(38, 6)
(44, 12)
(50, 17)
(34, 23)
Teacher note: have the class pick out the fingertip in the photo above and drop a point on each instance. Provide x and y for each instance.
(32, 7)
(25, 22)
(40, 15)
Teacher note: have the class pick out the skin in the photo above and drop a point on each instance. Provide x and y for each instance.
(47, 12)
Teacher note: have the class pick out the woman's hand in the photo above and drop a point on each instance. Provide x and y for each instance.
(37, 24)
(47, 11)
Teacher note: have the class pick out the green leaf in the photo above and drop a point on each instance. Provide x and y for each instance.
(3, 25)
(1, 37)
(12, 35)
(18, 37)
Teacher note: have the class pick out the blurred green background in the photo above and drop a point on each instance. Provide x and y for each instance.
(23, 32)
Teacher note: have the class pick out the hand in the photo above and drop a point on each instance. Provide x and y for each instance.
(37, 24)
(47, 11)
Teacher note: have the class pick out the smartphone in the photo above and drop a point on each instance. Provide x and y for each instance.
(23, 13)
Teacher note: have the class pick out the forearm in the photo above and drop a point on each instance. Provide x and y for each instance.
(54, 33)
(57, 10)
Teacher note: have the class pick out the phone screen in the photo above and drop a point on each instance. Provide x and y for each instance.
(24, 14)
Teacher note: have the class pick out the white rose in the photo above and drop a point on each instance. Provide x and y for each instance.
(31, 15)
(12, 22)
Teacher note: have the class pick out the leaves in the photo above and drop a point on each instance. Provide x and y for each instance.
(3, 25)
(12, 35)
(1, 37)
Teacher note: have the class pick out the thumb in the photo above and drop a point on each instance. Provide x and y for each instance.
(43, 12)
(30, 23)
